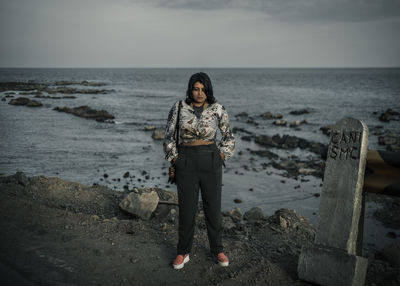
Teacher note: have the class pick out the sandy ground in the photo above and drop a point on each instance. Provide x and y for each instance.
(55, 232)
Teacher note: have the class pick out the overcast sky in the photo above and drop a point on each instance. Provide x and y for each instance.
(204, 33)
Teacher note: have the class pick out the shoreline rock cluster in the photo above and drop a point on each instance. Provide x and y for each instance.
(78, 234)
(87, 112)
(33, 88)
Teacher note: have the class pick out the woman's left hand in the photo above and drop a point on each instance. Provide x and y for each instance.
(222, 156)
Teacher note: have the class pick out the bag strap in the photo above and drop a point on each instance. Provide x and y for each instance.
(177, 124)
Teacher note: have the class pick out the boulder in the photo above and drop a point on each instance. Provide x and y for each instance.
(280, 122)
(326, 129)
(267, 115)
(294, 123)
(158, 134)
(149, 128)
(141, 203)
(391, 141)
(236, 214)
(389, 115)
(299, 112)
(34, 103)
(87, 112)
(18, 178)
(19, 101)
(254, 214)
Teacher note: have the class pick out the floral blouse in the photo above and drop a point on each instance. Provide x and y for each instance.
(213, 117)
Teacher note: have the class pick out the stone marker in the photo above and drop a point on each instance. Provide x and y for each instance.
(333, 260)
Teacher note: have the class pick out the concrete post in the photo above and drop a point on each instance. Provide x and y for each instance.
(333, 259)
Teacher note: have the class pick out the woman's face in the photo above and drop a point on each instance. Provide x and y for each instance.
(198, 93)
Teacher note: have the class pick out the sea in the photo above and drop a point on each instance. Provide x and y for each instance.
(42, 141)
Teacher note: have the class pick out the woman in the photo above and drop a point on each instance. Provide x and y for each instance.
(198, 163)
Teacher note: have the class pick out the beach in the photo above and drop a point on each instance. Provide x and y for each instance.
(56, 232)
(95, 127)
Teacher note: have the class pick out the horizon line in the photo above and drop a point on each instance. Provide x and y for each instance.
(244, 67)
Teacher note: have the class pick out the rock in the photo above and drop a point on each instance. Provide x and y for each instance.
(294, 123)
(267, 115)
(158, 134)
(18, 178)
(141, 203)
(34, 103)
(254, 214)
(19, 101)
(290, 220)
(326, 129)
(87, 112)
(85, 83)
(126, 175)
(265, 153)
(280, 122)
(307, 171)
(391, 141)
(236, 214)
(392, 254)
(149, 128)
(242, 114)
(237, 201)
(388, 115)
(299, 112)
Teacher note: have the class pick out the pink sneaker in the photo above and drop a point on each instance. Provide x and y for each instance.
(180, 261)
(222, 259)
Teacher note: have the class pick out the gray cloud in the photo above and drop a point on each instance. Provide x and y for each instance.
(300, 10)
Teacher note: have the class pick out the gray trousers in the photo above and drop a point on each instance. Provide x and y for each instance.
(199, 167)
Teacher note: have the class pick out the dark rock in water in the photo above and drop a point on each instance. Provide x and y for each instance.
(158, 134)
(126, 175)
(290, 142)
(267, 115)
(391, 141)
(19, 101)
(280, 122)
(149, 128)
(242, 114)
(389, 115)
(237, 201)
(265, 153)
(246, 138)
(254, 214)
(34, 103)
(105, 175)
(295, 123)
(326, 129)
(85, 83)
(86, 112)
(237, 129)
(299, 112)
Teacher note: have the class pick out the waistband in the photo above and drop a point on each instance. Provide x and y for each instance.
(198, 149)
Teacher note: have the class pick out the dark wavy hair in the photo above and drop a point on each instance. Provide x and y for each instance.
(204, 79)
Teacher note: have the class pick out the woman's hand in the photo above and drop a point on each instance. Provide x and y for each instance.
(175, 158)
(222, 156)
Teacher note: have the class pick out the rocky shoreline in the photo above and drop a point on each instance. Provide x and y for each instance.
(56, 232)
